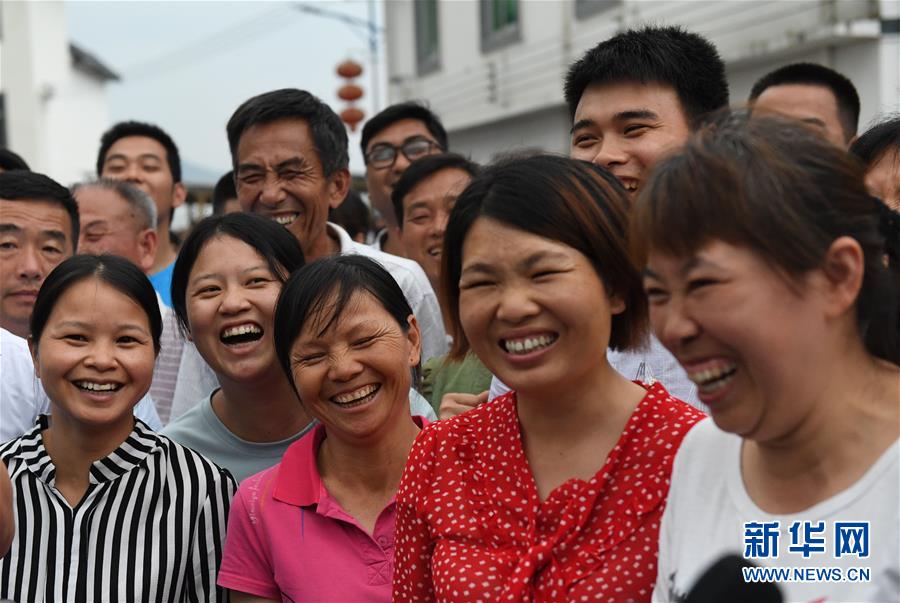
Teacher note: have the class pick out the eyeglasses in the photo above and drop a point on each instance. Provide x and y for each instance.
(383, 155)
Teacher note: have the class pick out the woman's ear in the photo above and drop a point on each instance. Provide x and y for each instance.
(844, 266)
(415, 340)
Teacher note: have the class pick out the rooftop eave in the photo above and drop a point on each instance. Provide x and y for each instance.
(91, 65)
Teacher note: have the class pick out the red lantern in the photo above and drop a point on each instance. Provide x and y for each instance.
(349, 69)
(350, 92)
(352, 116)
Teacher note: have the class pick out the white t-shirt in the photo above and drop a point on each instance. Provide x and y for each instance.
(22, 397)
(708, 507)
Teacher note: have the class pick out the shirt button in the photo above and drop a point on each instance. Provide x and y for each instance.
(382, 541)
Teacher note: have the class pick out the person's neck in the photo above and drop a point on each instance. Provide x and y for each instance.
(165, 251)
(598, 398)
(852, 420)
(73, 449)
(326, 245)
(392, 243)
(374, 466)
(264, 410)
(19, 329)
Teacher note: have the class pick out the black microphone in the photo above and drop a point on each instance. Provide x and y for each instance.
(724, 582)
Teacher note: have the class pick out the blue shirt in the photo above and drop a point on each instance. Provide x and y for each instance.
(162, 282)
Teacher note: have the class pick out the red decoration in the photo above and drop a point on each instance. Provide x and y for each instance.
(352, 116)
(350, 92)
(349, 69)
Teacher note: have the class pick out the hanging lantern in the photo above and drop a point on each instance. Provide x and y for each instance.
(352, 116)
(349, 69)
(350, 92)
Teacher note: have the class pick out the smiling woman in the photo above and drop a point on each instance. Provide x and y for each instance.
(773, 277)
(227, 277)
(320, 525)
(90, 465)
(554, 491)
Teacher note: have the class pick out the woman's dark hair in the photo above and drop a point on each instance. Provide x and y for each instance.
(575, 203)
(317, 295)
(782, 191)
(116, 272)
(878, 140)
(273, 242)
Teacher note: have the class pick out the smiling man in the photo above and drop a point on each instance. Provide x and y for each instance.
(390, 142)
(289, 151)
(422, 201)
(146, 157)
(639, 95)
(119, 219)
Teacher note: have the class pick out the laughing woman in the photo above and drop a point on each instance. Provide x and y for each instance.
(227, 277)
(773, 277)
(320, 525)
(552, 492)
(105, 509)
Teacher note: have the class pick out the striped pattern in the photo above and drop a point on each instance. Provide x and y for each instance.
(149, 528)
(168, 361)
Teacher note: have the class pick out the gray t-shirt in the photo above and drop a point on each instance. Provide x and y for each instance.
(201, 430)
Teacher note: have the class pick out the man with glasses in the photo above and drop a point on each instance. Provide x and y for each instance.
(391, 141)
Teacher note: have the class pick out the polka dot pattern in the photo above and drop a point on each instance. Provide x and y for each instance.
(471, 527)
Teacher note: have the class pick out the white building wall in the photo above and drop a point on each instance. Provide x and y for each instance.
(55, 114)
(491, 102)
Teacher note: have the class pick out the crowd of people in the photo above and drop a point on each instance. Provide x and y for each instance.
(586, 378)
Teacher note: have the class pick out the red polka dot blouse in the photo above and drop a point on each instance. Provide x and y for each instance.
(470, 525)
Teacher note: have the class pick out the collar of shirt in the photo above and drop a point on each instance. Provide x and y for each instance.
(139, 443)
(298, 482)
(344, 241)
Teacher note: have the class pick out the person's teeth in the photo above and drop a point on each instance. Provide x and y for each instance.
(713, 378)
(241, 330)
(355, 395)
(97, 387)
(527, 344)
(285, 220)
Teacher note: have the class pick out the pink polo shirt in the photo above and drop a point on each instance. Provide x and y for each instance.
(289, 539)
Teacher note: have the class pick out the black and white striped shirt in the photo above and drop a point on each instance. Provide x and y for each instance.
(149, 528)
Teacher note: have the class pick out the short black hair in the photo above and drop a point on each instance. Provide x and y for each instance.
(408, 110)
(113, 270)
(21, 185)
(813, 74)
(877, 140)
(319, 293)
(353, 215)
(274, 243)
(670, 56)
(11, 161)
(328, 132)
(224, 192)
(136, 128)
(423, 168)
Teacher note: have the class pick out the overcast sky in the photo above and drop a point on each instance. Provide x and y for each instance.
(186, 66)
